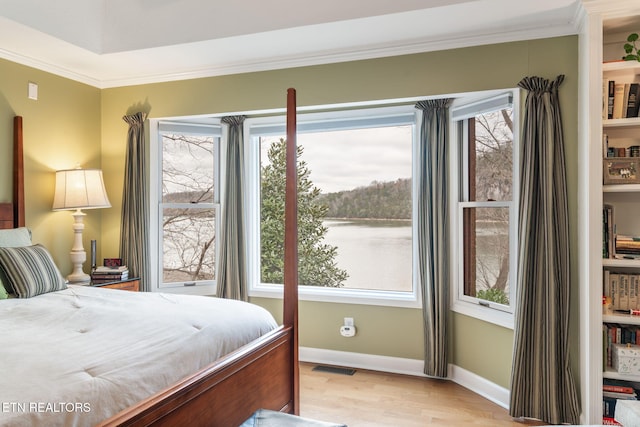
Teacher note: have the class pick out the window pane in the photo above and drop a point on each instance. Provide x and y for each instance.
(486, 253)
(188, 228)
(188, 244)
(355, 228)
(491, 156)
(187, 168)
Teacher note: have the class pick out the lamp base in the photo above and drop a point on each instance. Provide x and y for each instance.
(79, 279)
(78, 254)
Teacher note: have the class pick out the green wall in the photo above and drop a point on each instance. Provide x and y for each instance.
(479, 347)
(61, 131)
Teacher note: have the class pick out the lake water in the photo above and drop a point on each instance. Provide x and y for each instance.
(375, 253)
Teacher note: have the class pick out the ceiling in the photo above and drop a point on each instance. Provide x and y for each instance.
(107, 43)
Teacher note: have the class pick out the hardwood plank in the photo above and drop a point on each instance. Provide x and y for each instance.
(376, 399)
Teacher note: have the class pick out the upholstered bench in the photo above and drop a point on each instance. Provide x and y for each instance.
(266, 418)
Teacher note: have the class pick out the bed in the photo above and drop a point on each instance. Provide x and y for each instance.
(218, 385)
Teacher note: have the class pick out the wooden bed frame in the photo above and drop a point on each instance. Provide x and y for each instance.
(262, 374)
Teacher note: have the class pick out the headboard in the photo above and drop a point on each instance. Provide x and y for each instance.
(12, 214)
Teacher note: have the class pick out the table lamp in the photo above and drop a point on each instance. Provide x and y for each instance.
(78, 189)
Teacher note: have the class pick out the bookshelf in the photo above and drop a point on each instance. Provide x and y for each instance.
(613, 375)
(621, 263)
(619, 135)
(618, 123)
(621, 188)
(624, 319)
(604, 26)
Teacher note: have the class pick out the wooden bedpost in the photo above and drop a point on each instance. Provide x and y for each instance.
(18, 174)
(290, 315)
(262, 374)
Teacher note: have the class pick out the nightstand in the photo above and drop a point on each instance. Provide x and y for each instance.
(132, 285)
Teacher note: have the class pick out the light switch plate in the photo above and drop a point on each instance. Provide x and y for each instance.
(33, 91)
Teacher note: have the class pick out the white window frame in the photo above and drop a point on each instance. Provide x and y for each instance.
(344, 119)
(498, 314)
(204, 126)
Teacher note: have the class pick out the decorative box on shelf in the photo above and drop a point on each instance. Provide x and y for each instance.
(626, 358)
(621, 170)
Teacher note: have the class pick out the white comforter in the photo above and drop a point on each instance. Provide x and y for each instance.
(78, 356)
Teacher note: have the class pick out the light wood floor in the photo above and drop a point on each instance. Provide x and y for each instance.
(374, 399)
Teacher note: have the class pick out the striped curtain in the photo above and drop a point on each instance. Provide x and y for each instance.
(542, 385)
(134, 234)
(433, 248)
(232, 275)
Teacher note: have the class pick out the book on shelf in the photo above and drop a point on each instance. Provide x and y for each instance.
(615, 245)
(104, 274)
(633, 281)
(632, 100)
(96, 280)
(622, 290)
(608, 407)
(627, 247)
(608, 232)
(625, 100)
(612, 392)
(608, 89)
(620, 100)
(610, 421)
(619, 386)
(121, 276)
(624, 396)
(627, 256)
(108, 270)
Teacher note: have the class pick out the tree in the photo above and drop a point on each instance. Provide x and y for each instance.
(494, 181)
(316, 260)
(188, 226)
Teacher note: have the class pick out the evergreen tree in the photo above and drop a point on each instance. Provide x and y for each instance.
(317, 265)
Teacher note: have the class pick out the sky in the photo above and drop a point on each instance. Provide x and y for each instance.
(346, 159)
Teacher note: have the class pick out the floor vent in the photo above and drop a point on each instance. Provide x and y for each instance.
(334, 370)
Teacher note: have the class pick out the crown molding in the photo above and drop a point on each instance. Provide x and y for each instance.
(49, 68)
(311, 59)
(372, 52)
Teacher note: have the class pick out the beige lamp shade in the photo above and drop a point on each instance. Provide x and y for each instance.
(80, 189)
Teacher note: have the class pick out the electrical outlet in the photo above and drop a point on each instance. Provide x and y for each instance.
(348, 331)
(348, 321)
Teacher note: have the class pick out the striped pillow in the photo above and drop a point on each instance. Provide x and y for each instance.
(30, 270)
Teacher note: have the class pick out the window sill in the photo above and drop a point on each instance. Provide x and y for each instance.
(205, 290)
(487, 314)
(342, 296)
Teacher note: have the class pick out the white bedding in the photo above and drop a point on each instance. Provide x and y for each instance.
(77, 356)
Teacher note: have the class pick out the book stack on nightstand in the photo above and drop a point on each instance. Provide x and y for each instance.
(109, 274)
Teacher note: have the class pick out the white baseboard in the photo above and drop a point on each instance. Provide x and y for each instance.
(397, 365)
(479, 385)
